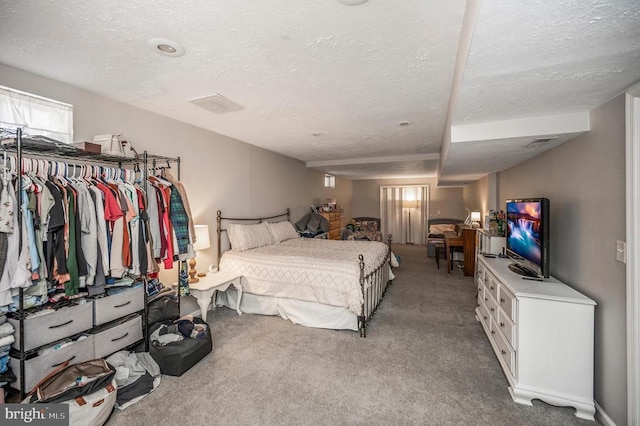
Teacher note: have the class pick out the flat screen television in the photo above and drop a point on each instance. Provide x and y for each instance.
(528, 236)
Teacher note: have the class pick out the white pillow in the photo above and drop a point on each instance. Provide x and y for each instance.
(245, 237)
(282, 231)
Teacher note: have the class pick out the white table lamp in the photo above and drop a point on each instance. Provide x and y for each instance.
(475, 219)
(202, 242)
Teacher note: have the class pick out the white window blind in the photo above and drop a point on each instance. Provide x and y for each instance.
(36, 115)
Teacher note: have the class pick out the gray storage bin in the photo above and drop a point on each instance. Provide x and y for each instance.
(64, 322)
(38, 367)
(119, 305)
(120, 335)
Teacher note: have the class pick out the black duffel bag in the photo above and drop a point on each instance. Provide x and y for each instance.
(163, 309)
(175, 358)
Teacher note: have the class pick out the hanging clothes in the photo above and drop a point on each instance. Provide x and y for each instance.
(185, 200)
(78, 232)
(13, 242)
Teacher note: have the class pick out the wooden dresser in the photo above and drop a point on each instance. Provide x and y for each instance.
(334, 224)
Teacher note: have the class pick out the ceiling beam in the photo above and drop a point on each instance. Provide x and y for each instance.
(370, 160)
(471, 13)
(522, 127)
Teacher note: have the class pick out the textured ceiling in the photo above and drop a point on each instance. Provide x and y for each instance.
(327, 83)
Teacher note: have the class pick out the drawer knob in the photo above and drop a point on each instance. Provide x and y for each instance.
(485, 299)
(492, 310)
(491, 287)
(501, 300)
(485, 317)
(61, 325)
(501, 324)
(503, 352)
(493, 332)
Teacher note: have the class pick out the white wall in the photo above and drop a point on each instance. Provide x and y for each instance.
(219, 173)
(585, 182)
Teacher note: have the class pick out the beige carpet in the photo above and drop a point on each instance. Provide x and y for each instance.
(425, 361)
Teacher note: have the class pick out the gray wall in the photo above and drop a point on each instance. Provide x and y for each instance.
(585, 182)
(443, 202)
(476, 197)
(219, 173)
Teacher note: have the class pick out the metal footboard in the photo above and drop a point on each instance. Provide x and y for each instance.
(373, 286)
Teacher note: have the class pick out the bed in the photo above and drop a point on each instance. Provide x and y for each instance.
(313, 282)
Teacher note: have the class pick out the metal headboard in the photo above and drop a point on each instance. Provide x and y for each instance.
(220, 230)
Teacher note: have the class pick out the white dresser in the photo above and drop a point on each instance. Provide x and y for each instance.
(542, 334)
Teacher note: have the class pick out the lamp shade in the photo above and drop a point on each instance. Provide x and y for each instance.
(202, 238)
(475, 216)
(409, 204)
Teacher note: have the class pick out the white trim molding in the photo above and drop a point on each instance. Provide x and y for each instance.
(603, 417)
(633, 250)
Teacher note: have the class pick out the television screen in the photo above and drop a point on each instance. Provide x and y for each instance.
(527, 234)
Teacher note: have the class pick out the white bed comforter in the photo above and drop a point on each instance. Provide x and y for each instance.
(314, 270)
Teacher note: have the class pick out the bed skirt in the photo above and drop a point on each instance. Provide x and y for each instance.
(308, 314)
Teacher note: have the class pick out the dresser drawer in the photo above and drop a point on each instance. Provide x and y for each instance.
(38, 367)
(484, 315)
(492, 284)
(121, 335)
(119, 305)
(334, 234)
(481, 295)
(504, 352)
(492, 307)
(481, 272)
(48, 328)
(507, 302)
(508, 328)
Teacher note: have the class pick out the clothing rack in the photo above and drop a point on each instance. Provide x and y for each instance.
(48, 148)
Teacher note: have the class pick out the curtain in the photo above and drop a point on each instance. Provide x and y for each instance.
(403, 213)
(36, 115)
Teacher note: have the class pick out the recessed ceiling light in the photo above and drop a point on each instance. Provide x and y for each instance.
(166, 47)
(405, 123)
(352, 2)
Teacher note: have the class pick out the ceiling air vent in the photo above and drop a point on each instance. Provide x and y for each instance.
(216, 103)
(538, 142)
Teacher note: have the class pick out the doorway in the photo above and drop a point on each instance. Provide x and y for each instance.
(404, 212)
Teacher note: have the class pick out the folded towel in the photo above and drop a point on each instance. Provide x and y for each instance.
(6, 329)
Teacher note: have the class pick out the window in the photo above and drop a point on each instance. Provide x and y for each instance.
(329, 181)
(36, 115)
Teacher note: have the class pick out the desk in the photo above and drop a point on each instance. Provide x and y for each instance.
(451, 241)
(204, 289)
(467, 240)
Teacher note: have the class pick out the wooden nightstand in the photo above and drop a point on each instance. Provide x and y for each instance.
(204, 289)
